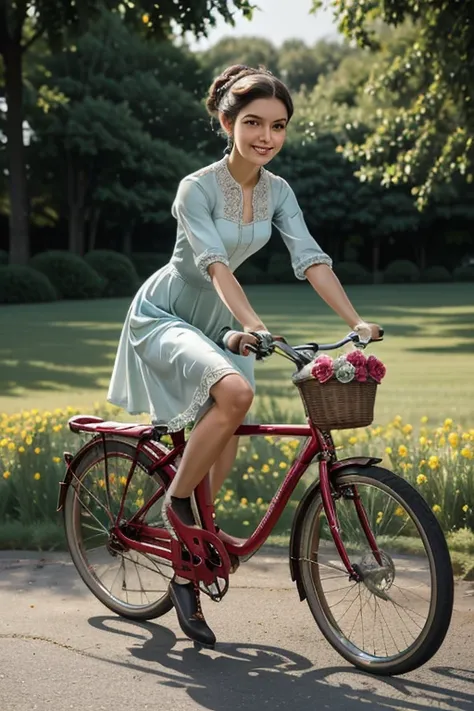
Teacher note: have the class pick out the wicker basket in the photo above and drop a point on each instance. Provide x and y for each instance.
(338, 406)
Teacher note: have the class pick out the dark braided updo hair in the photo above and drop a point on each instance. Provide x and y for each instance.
(239, 85)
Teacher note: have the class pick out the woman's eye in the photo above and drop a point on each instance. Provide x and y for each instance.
(251, 122)
(279, 126)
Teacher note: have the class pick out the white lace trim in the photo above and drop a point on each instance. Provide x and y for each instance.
(233, 197)
(207, 258)
(302, 264)
(209, 378)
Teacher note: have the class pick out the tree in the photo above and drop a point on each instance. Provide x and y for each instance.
(115, 107)
(22, 22)
(430, 136)
(302, 66)
(253, 51)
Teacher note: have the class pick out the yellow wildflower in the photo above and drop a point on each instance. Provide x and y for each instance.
(379, 517)
(388, 450)
(244, 501)
(275, 475)
(250, 470)
(399, 511)
(140, 492)
(433, 462)
(465, 508)
(436, 508)
(37, 450)
(37, 476)
(407, 429)
(397, 419)
(245, 477)
(442, 441)
(423, 441)
(424, 420)
(7, 475)
(265, 468)
(11, 446)
(421, 479)
(467, 453)
(453, 439)
(21, 449)
(245, 523)
(255, 456)
(448, 423)
(402, 450)
(271, 461)
(28, 440)
(56, 460)
(466, 437)
(123, 480)
(352, 440)
(227, 497)
(283, 465)
(145, 18)
(259, 501)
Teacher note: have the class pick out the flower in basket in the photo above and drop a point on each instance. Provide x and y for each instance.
(359, 361)
(344, 370)
(323, 368)
(375, 368)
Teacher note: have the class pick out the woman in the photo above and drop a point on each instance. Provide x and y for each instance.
(171, 361)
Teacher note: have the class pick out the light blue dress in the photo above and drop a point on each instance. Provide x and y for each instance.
(168, 358)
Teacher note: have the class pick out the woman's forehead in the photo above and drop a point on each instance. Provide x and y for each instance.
(269, 109)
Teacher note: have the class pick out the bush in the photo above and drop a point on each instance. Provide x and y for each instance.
(280, 270)
(24, 285)
(116, 269)
(3, 258)
(146, 263)
(401, 271)
(71, 276)
(432, 275)
(464, 273)
(249, 273)
(352, 273)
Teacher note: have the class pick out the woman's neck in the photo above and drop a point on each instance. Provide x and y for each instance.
(243, 172)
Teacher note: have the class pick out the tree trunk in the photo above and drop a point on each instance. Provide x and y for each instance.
(94, 225)
(19, 237)
(76, 199)
(375, 258)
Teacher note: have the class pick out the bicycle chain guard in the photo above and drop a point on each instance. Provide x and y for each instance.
(200, 556)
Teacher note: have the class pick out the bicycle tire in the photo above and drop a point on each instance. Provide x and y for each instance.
(93, 456)
(441, 602)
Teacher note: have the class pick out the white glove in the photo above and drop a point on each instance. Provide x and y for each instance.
(364, 332)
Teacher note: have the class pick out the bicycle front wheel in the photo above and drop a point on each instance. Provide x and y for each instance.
(396, 618)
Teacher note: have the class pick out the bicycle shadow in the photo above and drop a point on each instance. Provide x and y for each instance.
(256, 676)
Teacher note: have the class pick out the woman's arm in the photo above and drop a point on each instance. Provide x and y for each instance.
(327, 285)
(234, 297)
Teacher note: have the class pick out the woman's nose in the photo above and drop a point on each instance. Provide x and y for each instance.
(265, 133)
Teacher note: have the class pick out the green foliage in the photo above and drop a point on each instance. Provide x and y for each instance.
(429, 135)
(464, 273)
(279, 269)
(116, 269)
(251, 273)
(435, 275)
(147, 263)
(352, 273)
(71, 276)
(401, 271)
(24, 285)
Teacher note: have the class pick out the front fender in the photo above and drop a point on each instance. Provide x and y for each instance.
(351, 464)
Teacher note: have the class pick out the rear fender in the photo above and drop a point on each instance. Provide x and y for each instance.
(350, 465)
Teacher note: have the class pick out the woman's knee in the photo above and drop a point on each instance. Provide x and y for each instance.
(234, 394)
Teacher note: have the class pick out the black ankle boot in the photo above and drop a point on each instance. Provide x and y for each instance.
(187, 604)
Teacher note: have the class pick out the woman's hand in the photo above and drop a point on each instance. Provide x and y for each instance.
(238, 341)
(368, 331)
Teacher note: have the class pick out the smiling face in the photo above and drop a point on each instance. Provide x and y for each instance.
(259, 131)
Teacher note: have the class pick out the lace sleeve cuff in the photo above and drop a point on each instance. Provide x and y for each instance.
(204, 261)
(302, 264)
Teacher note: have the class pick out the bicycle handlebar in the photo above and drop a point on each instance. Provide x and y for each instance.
(303, 354)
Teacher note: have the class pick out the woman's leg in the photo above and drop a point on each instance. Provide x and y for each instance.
(222, 466)
(212, 435)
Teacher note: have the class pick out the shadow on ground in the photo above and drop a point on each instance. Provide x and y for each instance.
(260, 676)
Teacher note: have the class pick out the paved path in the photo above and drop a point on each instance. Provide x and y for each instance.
(61, 649)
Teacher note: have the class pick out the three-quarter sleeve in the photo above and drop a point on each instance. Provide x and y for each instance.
(289, 220)
(192, 210)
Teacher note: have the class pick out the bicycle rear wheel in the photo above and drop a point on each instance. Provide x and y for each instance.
(397, 617)
(132, 584)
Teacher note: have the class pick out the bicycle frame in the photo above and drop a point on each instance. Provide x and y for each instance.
(158, 542)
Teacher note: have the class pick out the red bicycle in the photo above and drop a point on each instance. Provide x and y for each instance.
(366, 552)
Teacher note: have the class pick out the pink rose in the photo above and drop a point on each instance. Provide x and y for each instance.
(376, 368)
(361, 373)
(357, 358)
(323, 368)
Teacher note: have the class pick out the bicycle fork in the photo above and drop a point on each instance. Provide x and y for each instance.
(328, 500)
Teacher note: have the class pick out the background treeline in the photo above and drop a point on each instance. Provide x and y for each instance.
(113, 120)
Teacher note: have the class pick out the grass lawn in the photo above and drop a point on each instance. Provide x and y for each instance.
(59, 354)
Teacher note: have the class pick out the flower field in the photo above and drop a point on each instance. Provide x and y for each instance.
(437, 458)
